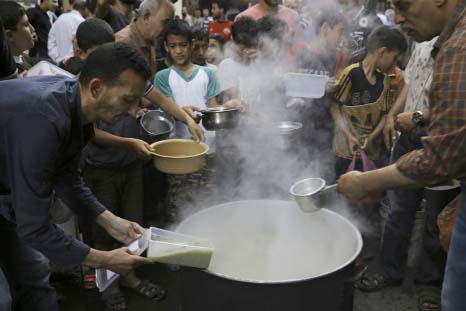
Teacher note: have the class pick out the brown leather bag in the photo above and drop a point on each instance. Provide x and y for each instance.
(446, 221)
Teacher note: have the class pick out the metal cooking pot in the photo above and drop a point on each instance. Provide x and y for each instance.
(270, 256)
(220, 118)
(156, 126)
(286, 133)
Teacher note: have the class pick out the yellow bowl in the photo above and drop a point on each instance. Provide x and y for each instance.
(179, 156)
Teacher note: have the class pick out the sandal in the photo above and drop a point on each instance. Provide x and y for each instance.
(374, 281)
(149, 290)
(115, 302)
(429, 299)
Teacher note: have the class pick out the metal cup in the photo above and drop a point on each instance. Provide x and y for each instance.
(311, 194)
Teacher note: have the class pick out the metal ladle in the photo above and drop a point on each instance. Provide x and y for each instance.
(311, 194)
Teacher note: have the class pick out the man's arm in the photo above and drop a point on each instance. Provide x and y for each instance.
(31, 157)
(52, 44)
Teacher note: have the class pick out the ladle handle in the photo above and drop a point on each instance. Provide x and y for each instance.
(330, 187)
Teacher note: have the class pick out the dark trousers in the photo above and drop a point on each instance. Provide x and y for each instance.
(120, 191)
(27, 272)
(399, 226)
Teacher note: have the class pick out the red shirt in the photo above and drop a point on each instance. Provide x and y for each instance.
(221, 28)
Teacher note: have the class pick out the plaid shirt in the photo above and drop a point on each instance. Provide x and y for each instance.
(444, 154)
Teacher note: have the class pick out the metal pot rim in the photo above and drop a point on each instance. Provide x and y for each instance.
(206, 149)
(293, 187)
(166, 120)
(218, 110)
(285, 281)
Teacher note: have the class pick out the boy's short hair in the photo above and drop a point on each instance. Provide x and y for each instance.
(110, 60)
(219, 38)
(10, 13)
(200, 33)
(272, 27)
(329, 16)
(386, 37)
(222, 4)
(177, 27)
(245, 32)
(93, 33)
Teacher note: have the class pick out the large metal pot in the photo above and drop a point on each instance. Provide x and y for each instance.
(269, 255)
(179, 156)
(156, 125)
(214, 119)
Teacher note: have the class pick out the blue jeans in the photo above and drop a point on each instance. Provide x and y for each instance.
(27, 272)
(454, 284)
(5, 296)
(403, 207)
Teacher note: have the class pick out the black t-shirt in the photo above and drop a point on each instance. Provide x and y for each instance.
(41, 22)
(116, 19)
(7, 63)
(354, 89)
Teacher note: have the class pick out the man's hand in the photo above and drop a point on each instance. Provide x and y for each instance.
(389, 132)
(404, 122)
(123, 261)
(196, 131)
(120, 229)
(140, 147)
(352, 187)
(120, 260)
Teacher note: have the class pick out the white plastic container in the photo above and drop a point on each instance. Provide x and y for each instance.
(179, 249)
(165, 247)
(305, 85)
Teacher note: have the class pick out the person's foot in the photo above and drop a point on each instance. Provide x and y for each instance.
(374, 281)
(429, 298)
(143, 287)
(114, 301)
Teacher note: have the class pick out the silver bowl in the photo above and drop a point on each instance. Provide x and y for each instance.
(220, 118)
(156, 126)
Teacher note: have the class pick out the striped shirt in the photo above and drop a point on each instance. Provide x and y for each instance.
(443, 155)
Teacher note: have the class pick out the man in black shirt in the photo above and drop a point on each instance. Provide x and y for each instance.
(41, 22)
(44, 124)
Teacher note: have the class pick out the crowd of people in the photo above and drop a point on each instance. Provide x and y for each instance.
(392, 119)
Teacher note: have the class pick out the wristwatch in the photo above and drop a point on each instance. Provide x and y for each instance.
(418, 118)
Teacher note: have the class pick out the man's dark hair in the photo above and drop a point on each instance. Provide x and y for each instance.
(272, 27)
(222, 4)
(386, 37)
(219, 38)
(92, 33)
(200, 33)
(330, 16)
(10, 13)
(177, 27)
(110, 60)
(245, 32)
(79, 4)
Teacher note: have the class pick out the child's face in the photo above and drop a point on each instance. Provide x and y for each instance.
(179, 49)
(199, 50)
(333, 36)
(205, 12)
(214, 51)
(386, 59)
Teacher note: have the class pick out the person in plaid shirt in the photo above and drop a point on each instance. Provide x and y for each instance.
(443, 155)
